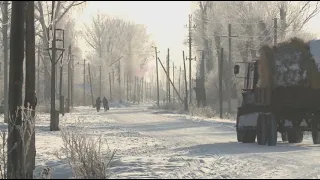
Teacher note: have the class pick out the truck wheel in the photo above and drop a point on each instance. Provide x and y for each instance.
(295, 135)
(249, 136)
(239, 136)
(261, 129)
(272, 130)
(315, 131)
(284, 136)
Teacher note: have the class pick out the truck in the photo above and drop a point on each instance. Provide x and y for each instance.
(265, 111)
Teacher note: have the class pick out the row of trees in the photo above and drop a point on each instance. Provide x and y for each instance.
(253, 23)
(120, 47)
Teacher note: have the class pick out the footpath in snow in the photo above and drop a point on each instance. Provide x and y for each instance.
(151, 144)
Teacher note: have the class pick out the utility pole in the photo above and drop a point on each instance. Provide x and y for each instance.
(110, 89)
(134, 90)
(38, 73)
(100, 81)
(142, 91)
(69, 78)
(5, 57)
(72, 77)
(229, 68)
(53, 114)
(84, 82)
(164, 70)
(220, 82)
(179, 80)
(275, 26)
(124, 85)
(190, 53)
(90, 85)
(128, 87)
(155, 49)
(119, 73)
(61, 97)
(173, 81)
(168, 71)
(185, 83)
(113, 80)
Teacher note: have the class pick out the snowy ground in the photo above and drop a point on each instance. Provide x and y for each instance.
(153, 144)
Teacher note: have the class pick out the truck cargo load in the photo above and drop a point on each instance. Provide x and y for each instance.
(289, 64)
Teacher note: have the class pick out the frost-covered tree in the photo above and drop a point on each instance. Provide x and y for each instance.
(253, 22)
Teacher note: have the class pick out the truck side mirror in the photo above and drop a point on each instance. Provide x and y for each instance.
(236, 69)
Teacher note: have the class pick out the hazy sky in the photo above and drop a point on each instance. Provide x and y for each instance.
(165, 21)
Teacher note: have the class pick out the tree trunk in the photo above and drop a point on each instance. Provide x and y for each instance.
(15, 159)
(5, 57)
(30, 97)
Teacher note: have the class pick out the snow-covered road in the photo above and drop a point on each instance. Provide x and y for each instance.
(161, 145)
(208, 149)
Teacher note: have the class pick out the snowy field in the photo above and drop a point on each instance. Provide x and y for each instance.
(156, 144)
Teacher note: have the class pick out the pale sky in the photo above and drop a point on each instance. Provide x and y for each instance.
(165, 20)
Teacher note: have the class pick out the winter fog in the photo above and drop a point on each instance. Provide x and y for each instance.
(143, 89)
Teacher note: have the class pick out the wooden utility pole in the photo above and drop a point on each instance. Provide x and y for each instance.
(229, 68)
(30, 91)
(119, 80)
(124, 85)
(5, 23)
(110, 88)
(190, 54)
(179, 80)
(69, 78)
(181, 100)
(38, 73)
(134, 90)
(275, 26)
(185, 83)
(91, 85)
(61, 100)
(142, 91)
(113, 78)
(155, 49)
(84, 82)
(173, 81)
(128, 87)
(100, 81)
(138, 89)
(220, 82)
(168, 77)
(54, 125)
(72, 77)
(15, 160)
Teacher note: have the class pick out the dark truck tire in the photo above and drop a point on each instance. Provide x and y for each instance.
(261, 129)
(315, 131)
(239, 136)
(272, 130)
(284, 136)
(295, 135)
(249, 136)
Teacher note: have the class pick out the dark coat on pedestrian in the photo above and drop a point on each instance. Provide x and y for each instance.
(98, 103)
(105, 103)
